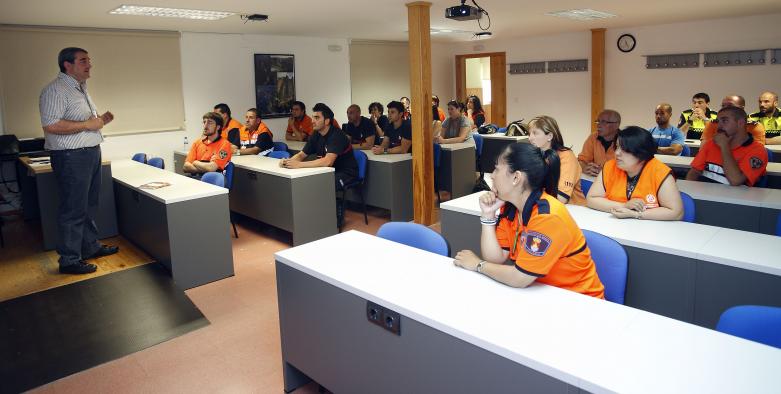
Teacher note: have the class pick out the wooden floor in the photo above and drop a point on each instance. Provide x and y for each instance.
(25, 268)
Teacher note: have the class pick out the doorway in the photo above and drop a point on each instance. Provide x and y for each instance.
(483, 75)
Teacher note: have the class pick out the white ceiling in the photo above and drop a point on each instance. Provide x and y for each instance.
(375, 20)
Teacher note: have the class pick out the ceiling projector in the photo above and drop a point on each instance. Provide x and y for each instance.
(463, 12)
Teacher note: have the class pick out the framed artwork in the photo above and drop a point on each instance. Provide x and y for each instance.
(275, 84)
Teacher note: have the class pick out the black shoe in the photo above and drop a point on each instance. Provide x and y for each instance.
(105, 250)
(79, 268)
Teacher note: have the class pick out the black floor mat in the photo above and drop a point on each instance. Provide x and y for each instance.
(55, 333)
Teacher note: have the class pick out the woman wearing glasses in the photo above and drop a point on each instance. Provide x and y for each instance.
(635, 184)
(533, 229)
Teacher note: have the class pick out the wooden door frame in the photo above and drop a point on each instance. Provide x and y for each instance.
(498, 83)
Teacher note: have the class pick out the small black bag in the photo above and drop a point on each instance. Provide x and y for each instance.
(487, 129)
(480, 185)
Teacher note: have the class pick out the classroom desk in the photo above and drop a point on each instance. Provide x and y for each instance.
(493, 145)
(179, 158)
(184, 226)
(667, 260)
(40, 201)
(388, 184)
(456, 334)
(301, 201)
(456, 171)
(682, 164)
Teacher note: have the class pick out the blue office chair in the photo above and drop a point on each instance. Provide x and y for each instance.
(415, 235)
(357, 185)
(478, 151)
(778, 225)
(215, 178)
(502, 130)
(437, 157)
(753, 322)
(279, 154)
(688, 208)
(585, 186)
(686, 151)
(156, 162)
(762, 181)
(611, 261)
(769, 155)
(140, 157)
(280, 146)
(228, 173)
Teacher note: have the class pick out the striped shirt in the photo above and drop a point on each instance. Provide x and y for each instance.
(67, 99)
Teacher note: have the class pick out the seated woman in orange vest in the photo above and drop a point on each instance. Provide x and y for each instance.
(544, 133)
(534, 229)
(210, 153)
(635, 184)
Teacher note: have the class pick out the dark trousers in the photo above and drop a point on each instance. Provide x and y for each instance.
(77, 172)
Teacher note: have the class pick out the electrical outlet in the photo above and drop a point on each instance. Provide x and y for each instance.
(383, 317)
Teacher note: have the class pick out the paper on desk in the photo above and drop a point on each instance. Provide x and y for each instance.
(154, 185)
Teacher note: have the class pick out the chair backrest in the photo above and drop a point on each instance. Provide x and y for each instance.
(280, 146)
(215, 178)
(753, 322)
(478, 144)
(415, 235)
(688, 208)
(362, 159)
(156, 162)
(585, 185)
(686, 151)
(762, 181)
(228, 172)
(279, 154)
(437, 154)
(611, 261)
(769, 155)
(778, 225)
(140, 157)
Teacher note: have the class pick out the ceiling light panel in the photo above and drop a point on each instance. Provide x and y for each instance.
(162, 12)
(584, 14)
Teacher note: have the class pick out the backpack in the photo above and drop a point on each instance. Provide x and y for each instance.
(487, 129)
(517, 128)
(480, 185)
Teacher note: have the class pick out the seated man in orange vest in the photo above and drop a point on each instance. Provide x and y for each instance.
(253, 138)
(731, 157)
(600, 147)
(210, 153)
(228, 124)
(755, 129)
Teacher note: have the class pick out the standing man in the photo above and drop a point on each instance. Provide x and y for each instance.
(299, 126)
(71, 126)
(669, 139)
(769, 115)
(600, 147)
(359, 128)
(731, 157)
(694, 120)
(228, 124)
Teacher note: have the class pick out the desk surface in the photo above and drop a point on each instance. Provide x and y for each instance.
(574, 338)
(45, 167)
(268, 165)
(773, 168)
(458, 146)
(134, 174)
(505, 137)
(740, 195)
(735, 248)
(698, 143)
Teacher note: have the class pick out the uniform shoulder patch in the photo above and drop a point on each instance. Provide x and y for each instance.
(536, 244)
(755, 162)
(223, 153)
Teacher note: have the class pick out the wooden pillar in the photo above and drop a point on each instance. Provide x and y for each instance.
(418, 20)
(597, 74)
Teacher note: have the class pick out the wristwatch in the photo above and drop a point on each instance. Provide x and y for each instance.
(480, 266)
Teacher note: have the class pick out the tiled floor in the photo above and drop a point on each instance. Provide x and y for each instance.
(238, 353)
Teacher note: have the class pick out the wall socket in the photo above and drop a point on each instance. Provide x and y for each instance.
(383, 317)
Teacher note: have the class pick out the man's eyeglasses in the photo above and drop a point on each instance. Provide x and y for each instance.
(604, 122)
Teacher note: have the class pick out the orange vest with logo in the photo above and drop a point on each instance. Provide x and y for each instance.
(651, 178)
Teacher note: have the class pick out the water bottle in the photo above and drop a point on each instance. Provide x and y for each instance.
(186, 145)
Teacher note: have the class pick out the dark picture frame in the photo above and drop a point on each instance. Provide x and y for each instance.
(275, 84)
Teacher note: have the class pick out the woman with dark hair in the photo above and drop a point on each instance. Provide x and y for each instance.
(437, 112)
(475, 111)
(635, 184)
(455, 128)
(544, 133)
(533, 229)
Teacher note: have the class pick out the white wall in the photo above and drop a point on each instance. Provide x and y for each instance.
(635, 91)
(219, 68)
(565, 96)
(474, 73)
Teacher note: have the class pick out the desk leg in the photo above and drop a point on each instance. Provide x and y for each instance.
(738, 217)
(462, 172)
(461, 231)
(401, 192)
(179, 163)
(314, 208)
